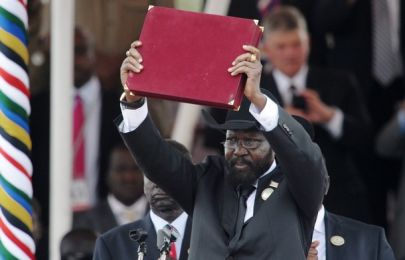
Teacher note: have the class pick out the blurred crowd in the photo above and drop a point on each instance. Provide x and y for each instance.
(342, 70)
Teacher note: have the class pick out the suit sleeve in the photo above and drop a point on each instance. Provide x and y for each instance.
(301, 161)
(101, 250)
(162, 164)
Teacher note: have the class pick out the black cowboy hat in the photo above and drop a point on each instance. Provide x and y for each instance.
(243, 119)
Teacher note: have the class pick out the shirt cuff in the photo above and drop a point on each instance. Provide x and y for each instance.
(335, 125)
(268, 117)
(132, 118)
(401, 121)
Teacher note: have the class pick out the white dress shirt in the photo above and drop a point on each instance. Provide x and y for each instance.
(179, 224)
(250, 202)
(284, 82)
(320, 234)
(90, 93)
(126, 214)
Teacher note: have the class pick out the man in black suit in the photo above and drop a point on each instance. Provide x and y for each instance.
(125, 202)
(367, 37)
(116, 244)
(329, 99)
(345, 238)
(337, 237)
(246, 205)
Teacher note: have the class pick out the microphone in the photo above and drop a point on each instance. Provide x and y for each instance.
(165, 236)
(139, 235)
(163, 243)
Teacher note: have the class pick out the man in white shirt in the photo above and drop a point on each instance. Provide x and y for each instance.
(116, 244)
(339, 237)
(329, 99)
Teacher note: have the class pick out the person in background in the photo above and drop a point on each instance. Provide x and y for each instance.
(93, 110)
(338, 237)
(329, 99)
(391, 143)
(125, 202)
(78, 244)
(116, 243)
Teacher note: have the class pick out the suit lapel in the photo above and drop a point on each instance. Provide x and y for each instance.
(264, 182)
(185, 245)
(333, 228)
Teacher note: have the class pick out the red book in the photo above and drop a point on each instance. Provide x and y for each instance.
(186, 56)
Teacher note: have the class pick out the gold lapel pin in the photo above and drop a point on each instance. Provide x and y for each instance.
(266, 193)
(273, 184)
(337, 240)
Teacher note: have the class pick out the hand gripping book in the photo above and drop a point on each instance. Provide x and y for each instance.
(186, 56)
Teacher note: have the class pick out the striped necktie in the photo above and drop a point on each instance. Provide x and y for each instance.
(79, 190)
(386, 61)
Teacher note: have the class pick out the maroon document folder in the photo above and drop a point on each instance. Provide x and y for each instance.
(186, 56)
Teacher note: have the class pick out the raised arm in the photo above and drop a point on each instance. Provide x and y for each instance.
(300, 159)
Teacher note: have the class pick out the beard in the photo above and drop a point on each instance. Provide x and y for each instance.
(249, 174)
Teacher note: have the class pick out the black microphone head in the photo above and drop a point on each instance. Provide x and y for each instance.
(139, 235)
(174, 235)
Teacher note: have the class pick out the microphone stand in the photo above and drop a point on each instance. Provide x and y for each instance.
(139, 236)
(141, 250)
(165, 249)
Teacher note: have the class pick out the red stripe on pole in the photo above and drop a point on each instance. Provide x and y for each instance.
(15, 163)
(15, 82)
(23, 2)
(16, 241)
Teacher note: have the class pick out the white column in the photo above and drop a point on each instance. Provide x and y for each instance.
(62, 23)
(186, 120)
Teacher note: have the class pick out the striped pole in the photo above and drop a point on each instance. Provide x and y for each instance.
(16, 240)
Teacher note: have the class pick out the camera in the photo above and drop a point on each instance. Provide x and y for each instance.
(299, 102)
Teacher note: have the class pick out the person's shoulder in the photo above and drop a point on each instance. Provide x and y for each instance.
(356, 226)
(122, 231)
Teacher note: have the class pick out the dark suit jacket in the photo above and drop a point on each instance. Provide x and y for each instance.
(362, 241)
(282, 225)
(347, 193)
(116, 244)
(100, 218)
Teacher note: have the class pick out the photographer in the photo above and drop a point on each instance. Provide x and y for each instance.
(329, 99)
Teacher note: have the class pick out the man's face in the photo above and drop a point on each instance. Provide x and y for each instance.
(125, 179)
(246, 165)
(160, 202)
(287, 50)
(83, 60)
